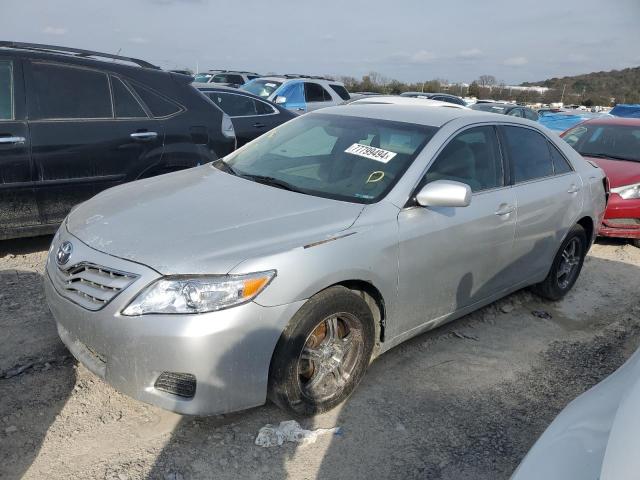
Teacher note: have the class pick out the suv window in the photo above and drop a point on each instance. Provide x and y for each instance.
(341, 91)
(234, 105)
(516, 112)
(6, 90)
(158, 105)
(530, 114)
(124, 103)
(228, 78)
(560, 163)
(471, 157)
(264, 108)
(69, 92)
(314, 92)
(528, 152)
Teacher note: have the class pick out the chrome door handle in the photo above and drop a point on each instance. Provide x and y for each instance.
(573, 189)
(301, 109)
(144, 135)
(11, 140)
(505, 209)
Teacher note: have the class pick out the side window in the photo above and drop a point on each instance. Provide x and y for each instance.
(529, 154)
(237, 79)
(157, 105)
(124, 103)
(6, 90)
(531, 115)
(69, 92)
(314, 92)
(471, 157)
(293, 92)
(341, 91)
(264, 108)
(252, 77)
(234, 105)
(516, 112)
(560, 163)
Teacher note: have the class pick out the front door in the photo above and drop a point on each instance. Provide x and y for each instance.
(454, 257)
(17, 200)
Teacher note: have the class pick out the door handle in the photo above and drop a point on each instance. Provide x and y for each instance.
(300, 109)
(144, 135)
(573, 189)
(505, 209)
(258, 125)
(12, 140)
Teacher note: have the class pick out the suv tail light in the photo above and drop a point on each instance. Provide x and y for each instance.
(227, 127)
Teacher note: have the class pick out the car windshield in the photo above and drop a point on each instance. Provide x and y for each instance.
(202, 77)
(618, 142)
(262, 88)
(347, 158)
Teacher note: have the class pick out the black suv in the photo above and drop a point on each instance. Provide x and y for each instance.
(72, 125)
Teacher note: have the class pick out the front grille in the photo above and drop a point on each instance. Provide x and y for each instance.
(180, 384)
(91, 286)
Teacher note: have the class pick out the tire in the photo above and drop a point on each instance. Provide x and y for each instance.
(323, 354)
(560, 280)
(636, 242)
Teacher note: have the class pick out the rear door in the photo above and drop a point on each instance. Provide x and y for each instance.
(317, 96)
(79, 147)
(250, 117)
(548, 198)
(17, 198)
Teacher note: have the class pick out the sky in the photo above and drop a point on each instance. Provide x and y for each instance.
(409, 40)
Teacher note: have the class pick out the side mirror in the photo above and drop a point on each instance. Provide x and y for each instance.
(444, 193)
(279, 100)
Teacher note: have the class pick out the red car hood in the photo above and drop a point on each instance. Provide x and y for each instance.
(619, 172)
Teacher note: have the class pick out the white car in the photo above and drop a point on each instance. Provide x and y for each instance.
(397, 100)
(595, 436)
(299, 93)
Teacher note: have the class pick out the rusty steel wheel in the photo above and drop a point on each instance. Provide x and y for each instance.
(330, 354)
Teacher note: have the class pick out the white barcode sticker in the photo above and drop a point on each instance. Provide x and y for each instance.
(371, 153)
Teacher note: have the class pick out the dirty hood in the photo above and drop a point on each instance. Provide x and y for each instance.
(203, 220)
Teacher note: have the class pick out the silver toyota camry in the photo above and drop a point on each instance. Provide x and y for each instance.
(283, 269)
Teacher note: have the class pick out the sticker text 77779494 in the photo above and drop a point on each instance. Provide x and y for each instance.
(371, 153)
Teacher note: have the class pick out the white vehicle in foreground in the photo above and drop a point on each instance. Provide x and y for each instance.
(397, 100)
(595, 437)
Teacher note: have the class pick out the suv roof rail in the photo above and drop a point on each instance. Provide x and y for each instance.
(76, 52)
(315, 77)
(216, 70)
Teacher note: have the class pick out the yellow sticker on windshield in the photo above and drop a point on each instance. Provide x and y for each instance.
(372, 153)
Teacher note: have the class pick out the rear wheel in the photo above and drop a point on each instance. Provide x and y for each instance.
(566, 266)
(323, 354)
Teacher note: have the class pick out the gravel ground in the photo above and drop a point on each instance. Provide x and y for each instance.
(465, 401)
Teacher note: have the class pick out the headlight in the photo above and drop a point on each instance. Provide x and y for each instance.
(628, 192)
(198, 294)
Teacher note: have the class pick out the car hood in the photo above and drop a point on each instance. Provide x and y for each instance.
(619, 172)
(203, 220)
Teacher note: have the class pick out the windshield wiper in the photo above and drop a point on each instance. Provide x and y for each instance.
(608, 155)
(220, 164)
(272, 181)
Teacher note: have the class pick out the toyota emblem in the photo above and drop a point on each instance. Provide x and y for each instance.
(64, 253)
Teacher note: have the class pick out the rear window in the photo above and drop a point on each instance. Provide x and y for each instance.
(341, 91)
(158, 105)
(62, 92)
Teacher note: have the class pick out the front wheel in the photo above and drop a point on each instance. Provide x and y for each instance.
(323, 353)
(566, 266)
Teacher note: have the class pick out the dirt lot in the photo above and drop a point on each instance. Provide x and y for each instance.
(463, 402)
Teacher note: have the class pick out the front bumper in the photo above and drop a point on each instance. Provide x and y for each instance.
(622, 218)
(228, 351)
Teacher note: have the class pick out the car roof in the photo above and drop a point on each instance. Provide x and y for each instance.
(282, 79)
(398, 100)
(414, 113)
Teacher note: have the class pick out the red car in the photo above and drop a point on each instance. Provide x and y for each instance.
(613, 144)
